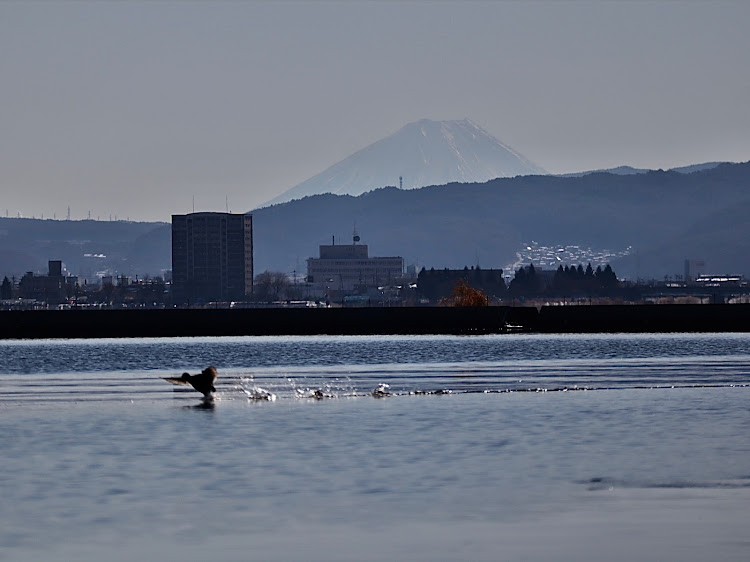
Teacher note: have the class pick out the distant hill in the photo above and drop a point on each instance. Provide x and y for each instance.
(697, 167)
(629, 170)
(721, 239)
(618, 171)
(86, 247)
(423, 153)
(666, 217)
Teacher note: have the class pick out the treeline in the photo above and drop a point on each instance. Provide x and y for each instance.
(567, 281)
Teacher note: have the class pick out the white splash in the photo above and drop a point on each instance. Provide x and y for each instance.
(381, 391)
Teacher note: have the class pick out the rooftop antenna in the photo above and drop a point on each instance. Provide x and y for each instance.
(355, 236)
(401, 182)
(193, 203)
(68, 212)
(226, 202)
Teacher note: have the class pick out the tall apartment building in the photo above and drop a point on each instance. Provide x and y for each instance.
(212, 257)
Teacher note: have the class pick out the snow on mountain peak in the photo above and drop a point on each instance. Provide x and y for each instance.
(424, 153)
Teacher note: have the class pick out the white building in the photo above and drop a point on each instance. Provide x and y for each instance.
(348, 268)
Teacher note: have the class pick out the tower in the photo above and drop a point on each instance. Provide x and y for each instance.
(212, 257)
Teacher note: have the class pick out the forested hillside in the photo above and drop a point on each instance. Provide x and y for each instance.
(666, 217)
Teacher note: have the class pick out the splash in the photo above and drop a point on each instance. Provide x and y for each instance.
(314, 393)
(382, 391)
(254, 392)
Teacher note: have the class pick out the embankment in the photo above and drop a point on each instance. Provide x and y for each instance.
(36, 324)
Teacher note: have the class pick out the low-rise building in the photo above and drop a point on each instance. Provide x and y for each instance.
(52, 288)
(348, 268)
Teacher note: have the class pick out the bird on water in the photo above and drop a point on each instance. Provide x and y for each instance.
(203, 383)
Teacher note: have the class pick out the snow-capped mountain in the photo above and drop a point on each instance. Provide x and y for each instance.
(422, 153)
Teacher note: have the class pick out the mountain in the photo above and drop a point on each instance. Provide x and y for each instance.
(629, 170)
(619, 171)
(422, 153)
(664, 217)
(86, 247)
(697, 167)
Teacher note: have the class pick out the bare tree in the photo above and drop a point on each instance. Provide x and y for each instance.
(271, 286)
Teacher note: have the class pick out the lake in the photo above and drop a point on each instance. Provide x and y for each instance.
(502, 447)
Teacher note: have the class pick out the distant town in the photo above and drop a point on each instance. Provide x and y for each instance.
(212, 267)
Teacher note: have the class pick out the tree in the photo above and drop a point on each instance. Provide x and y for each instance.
(269, 286)
(464, 295)
(607, 278)
(6, 290)
(525, 282)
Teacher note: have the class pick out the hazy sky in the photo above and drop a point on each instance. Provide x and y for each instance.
(134, 108)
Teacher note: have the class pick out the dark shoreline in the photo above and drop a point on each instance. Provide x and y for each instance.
(74, 324)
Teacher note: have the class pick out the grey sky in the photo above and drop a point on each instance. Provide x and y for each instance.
(131, 109)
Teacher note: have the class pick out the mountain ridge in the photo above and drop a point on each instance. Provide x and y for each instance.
(630, 170)
(664, 216)
(423, 153)
(462, 224)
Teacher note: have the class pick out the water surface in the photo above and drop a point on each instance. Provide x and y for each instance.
(486, 448)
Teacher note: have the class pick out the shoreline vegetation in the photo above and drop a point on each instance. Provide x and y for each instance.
(448, 320)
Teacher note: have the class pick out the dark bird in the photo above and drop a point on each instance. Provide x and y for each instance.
(203, 383)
